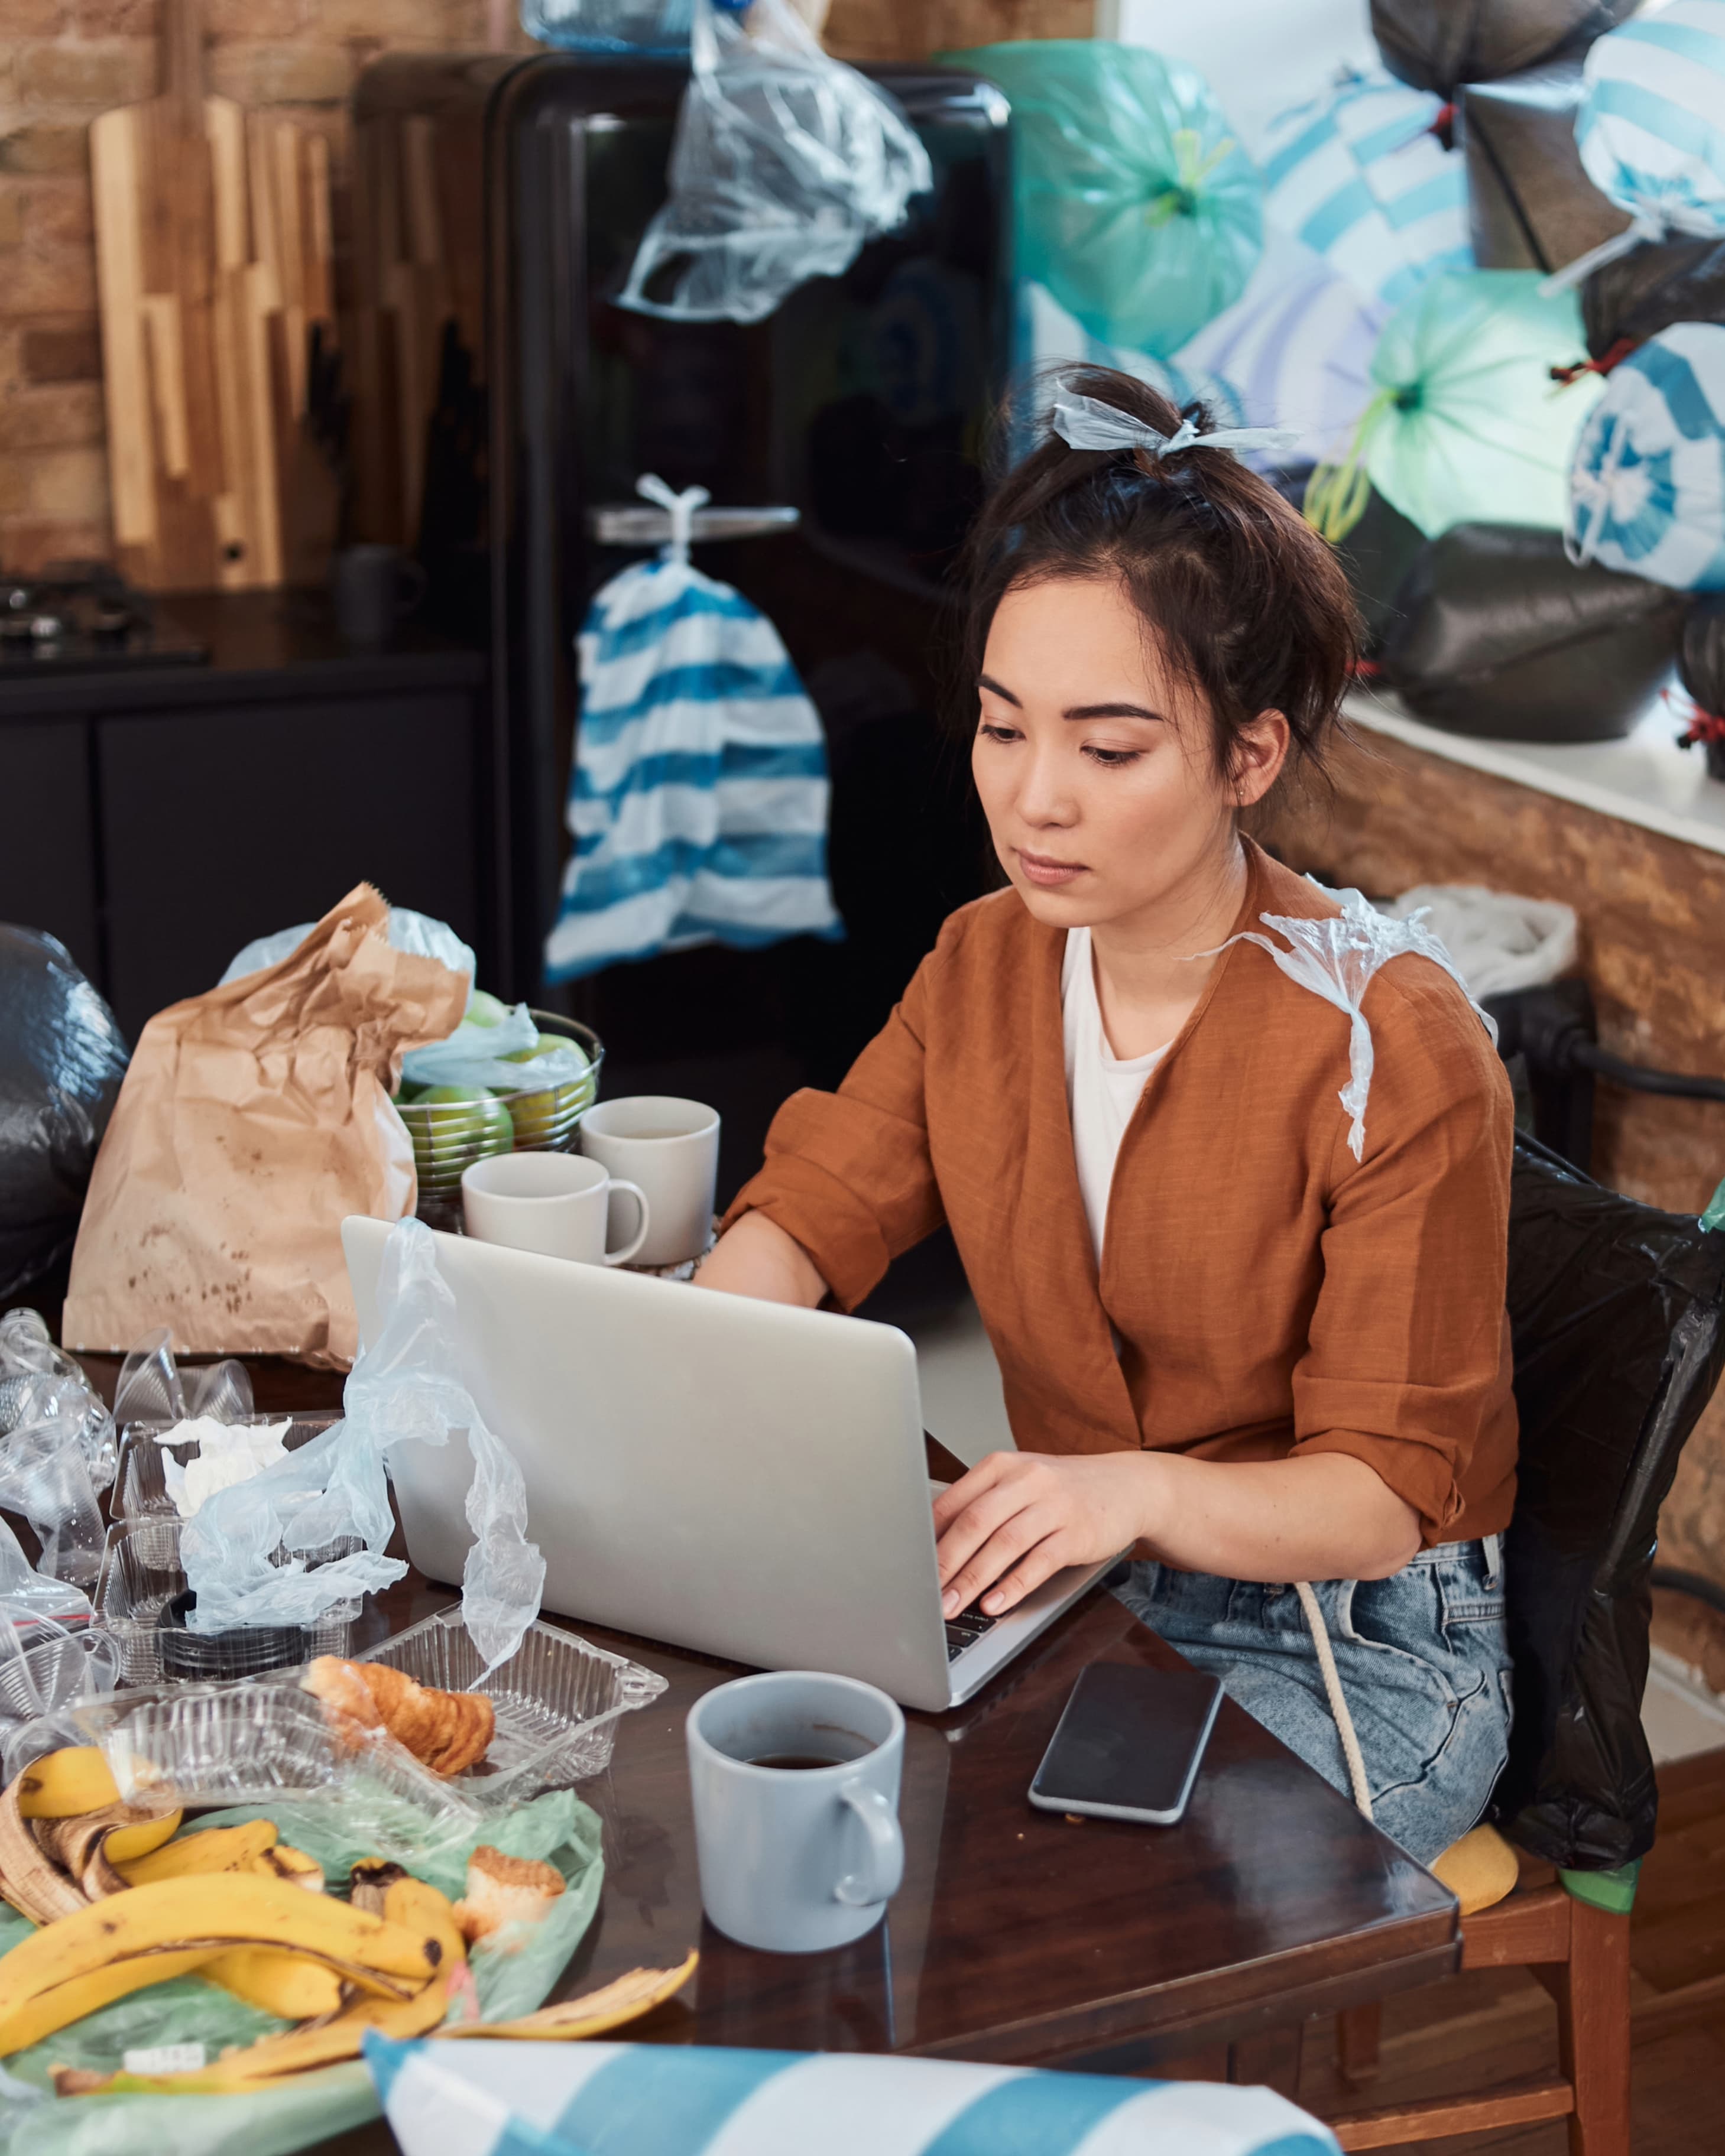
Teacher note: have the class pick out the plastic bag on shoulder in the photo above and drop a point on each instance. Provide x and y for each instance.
(1337, 958)
(786, 160)
(251, 1551)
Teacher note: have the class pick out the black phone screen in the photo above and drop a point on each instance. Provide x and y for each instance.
(1128, 1744)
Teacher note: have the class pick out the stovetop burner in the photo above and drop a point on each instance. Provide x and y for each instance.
(82, 618)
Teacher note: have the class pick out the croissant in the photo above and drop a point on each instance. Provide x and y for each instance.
(448, 1731)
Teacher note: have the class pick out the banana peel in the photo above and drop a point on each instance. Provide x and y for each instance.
(595, 2014)
(286, 1985)
(57, 2006)
(66, 1783)
(216, 1849)
(29, 1878)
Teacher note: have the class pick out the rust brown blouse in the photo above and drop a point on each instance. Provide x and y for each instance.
(1273, 1294)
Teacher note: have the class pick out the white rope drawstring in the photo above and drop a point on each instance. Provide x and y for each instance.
(1339, 1702)
(682, 508)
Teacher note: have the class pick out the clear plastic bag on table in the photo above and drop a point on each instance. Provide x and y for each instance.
(39, 1381)
(1336, 958)
(1133, 202)
(1647, 486)
(45, 1477)
(406, 1387)
(496, 1055)
(34, 1598)
(416, 933)
(62, 1061)
(1439, 45)
(786, 161)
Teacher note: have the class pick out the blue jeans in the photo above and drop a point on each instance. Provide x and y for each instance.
(1424, 1667)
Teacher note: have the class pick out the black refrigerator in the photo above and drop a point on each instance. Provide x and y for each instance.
(865, 402)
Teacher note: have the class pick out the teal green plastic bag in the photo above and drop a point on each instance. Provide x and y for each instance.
(1466, 424)
(557, 1827)
(1133, 204)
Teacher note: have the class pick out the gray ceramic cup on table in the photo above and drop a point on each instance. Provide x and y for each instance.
(670, 1148)
(803, 1853)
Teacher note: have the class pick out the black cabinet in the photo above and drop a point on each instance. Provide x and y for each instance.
(159, 820)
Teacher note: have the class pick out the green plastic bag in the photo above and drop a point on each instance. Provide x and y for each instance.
(1465, 425)
(557, 1827)
(1133, 204)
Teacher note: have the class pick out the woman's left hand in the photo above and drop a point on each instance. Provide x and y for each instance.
(1018, 1517)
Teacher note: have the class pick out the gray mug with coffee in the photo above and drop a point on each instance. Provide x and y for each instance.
(796, 1779)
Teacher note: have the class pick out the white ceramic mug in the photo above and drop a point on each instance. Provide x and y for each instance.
(670, 1148)
(555, 1203)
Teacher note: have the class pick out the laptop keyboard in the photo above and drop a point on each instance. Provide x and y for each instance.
(965, 1630)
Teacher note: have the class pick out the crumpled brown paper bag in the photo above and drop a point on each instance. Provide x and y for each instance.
(252, 1122)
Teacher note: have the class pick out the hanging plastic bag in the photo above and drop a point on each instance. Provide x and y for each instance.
(62, 1058)
(247, 1549)
(253, 1120)
(1465, 425)
(1336, 958)
(1439, 45)
(1647, 489)
(1651, 126)
(1361, 177)
(698, 801)
(416, 933)
(786, 160)
(1133, 204)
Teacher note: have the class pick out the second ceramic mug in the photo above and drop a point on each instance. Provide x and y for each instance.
(555, 1203)
(670, 1148)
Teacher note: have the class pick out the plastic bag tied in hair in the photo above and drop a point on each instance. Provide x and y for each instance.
(274, 1550)
(1337, 959)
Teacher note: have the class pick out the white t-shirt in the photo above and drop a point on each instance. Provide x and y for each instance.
(1101, 1089)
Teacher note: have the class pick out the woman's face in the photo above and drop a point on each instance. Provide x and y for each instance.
(1093, 762)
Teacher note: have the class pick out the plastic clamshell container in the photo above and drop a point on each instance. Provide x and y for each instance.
(251, 1743)
(558, 1700)
(142, 1573)
(446, 1135)
(141, 1483)
(42, 1678)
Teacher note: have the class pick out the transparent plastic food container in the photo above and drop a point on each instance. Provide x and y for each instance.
(140, 1484)
(140, 1599)
(250, 1744)
(40, 1680)
(558, 1700)
(449, 1136)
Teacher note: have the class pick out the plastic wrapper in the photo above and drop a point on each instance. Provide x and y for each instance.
(1364, 176)
(150, 1466)
(1463, 424)
(1439, 45)
(152, 1387)
(556, 1699)
(1134, 205)
(1502, 636)
(32, 1598)
(1647, 486)
(62, 1060)
(1336, 958)
(406, 1388)
(1617, 1317)
(785, 162)
(479, 1056)
(255, 1119)
(418, 933)
(61, 1668)
(1500, 942)
(39, 1384)
(1624, 302)
(557, 1828)
(1531, 204)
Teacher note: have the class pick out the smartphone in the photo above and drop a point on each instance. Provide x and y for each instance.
(1128, 1744)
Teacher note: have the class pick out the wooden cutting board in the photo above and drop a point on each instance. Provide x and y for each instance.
(213, 260)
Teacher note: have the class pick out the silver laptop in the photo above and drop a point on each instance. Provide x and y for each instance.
(720, 1473)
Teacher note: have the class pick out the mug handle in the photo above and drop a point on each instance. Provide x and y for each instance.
(880, 1878)
(633, 1190)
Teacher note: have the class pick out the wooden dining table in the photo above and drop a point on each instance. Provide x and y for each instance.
(1019, 1936)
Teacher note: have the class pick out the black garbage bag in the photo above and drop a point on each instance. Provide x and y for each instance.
(1617, 1313)
(1530, 203)
(62, 1058)
(1661, 282)
(1439, 45)
(1500, 636)
(1376, 555)
(1701, 668)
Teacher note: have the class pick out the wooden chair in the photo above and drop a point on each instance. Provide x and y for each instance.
(1617, 1317)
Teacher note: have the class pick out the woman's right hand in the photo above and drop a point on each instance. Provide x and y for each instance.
(756, 1257)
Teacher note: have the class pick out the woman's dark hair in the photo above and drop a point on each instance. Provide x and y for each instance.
(1245, 597)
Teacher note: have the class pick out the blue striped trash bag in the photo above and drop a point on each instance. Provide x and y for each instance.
(699, 794)
(1359, 175)
(1651, 126)
(490, 2097)
(1647, 486)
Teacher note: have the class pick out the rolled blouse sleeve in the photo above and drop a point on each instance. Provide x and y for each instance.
(848, 1174)
(1408, 1346)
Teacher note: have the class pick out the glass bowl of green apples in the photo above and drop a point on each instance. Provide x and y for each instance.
(453, 1125)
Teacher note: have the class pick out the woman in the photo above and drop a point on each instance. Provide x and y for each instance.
(1249, 1329)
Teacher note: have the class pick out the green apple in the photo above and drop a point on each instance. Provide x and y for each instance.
(485, 1127)
(546, 1043)
(485, 1009)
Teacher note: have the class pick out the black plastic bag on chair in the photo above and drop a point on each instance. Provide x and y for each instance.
(1439, 45)
(1500, 634)
(1662, 281)
(1617, 1313)
(62, 1058)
